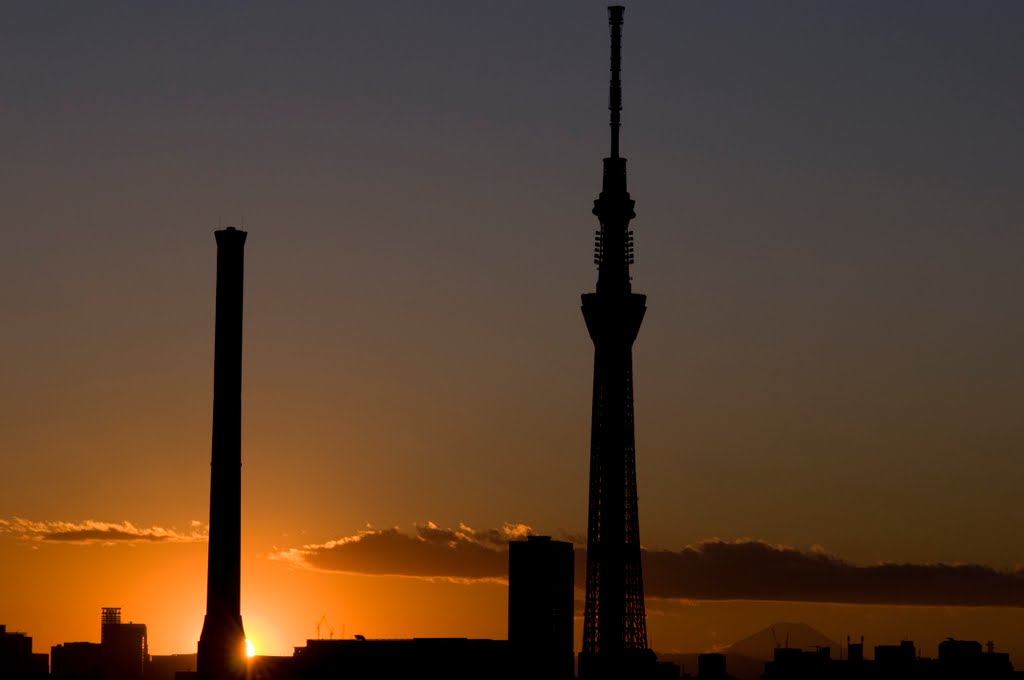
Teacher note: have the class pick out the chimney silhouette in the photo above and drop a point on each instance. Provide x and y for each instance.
(222, 642)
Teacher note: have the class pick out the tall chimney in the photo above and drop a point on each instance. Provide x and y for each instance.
(222, 642)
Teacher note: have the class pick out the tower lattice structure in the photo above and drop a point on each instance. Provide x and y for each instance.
(615, 622)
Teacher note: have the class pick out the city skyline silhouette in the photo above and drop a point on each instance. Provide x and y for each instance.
(830, 211)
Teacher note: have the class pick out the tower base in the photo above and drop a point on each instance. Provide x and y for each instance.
(221, 650)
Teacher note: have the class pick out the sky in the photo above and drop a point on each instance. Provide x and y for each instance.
(828, 379)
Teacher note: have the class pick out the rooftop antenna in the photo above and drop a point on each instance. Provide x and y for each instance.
(615, 86)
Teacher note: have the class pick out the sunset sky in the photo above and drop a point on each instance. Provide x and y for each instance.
(829, 378)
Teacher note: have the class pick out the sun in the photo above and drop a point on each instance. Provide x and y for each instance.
(250, 649)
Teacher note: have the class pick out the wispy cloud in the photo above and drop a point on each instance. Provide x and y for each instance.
(428, 552)
(93, 531)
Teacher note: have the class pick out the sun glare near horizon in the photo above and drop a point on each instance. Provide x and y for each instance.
(250, 649)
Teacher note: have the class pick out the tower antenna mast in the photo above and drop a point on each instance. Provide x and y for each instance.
(615, 85)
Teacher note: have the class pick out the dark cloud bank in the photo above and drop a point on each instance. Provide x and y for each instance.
(431, 552)
(751, 570)
(713, 570)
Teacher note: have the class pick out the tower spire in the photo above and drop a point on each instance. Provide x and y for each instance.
(613, 245)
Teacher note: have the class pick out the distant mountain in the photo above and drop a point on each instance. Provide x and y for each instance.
(761, 645)
(745, 659)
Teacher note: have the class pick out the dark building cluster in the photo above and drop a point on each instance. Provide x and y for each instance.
(121, 654)
(539, 647)
(16, 658)
(957, 659)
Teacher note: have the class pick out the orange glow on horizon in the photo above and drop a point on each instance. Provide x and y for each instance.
(250, 649)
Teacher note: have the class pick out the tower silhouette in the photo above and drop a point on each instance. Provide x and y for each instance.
(222, 642)
(614, 622)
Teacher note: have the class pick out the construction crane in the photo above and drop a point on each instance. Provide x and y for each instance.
(323, 622)
(775, 638)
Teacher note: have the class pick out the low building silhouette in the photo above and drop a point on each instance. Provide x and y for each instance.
(167, 666)
(711, 666)
(965, 658)
(450, 658)
(540, 605)
(799, 664)
(896, 657)
(76, 661)
(957, 660)
(17, 662)
(124, 647)
(121, 654)
(855, 650)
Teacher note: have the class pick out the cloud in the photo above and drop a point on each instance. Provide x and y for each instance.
(429, 552)
(753, 570)
(711, 570)
(95, 532)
